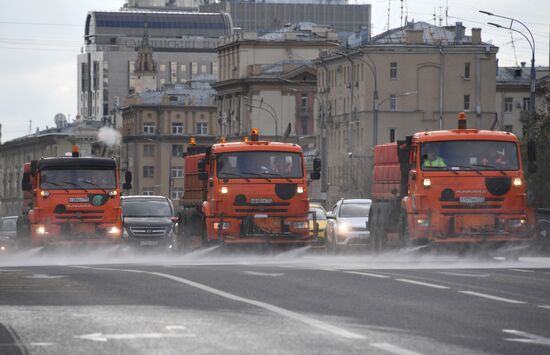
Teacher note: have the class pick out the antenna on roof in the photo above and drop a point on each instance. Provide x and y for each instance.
(401, 13)
(447, 13)
(389, 8)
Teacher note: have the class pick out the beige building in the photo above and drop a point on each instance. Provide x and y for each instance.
(156, 128)
(424, 76)
(513, 96)
(51, 142)
(269, 81)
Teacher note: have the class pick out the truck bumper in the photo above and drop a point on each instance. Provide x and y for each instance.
(271, 240)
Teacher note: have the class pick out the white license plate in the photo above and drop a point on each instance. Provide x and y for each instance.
(472, 200)
(149, 243)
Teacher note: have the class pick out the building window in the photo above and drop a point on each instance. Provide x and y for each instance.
(148, 150)
(177, 172)
(194, 68)
(525, 104)
(177, 128)
(466, 102)
(215, 68)
(148, 171)
(392, 135)
(177, 193)
(466, 70)
(202, 128)
(508, 104)
(393, 70)
(177, 150)
(148, 191)
(149, 128)
(183, 68)
(509, 128)
(303, 104)
(203, 68)
(162, 67)
(393, 103)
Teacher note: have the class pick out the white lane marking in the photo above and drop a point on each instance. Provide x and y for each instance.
(41, 344)
(545, 307)
(423, 283)
(521, 270)
(255, 273)
(174, 331)
(393, 349)
(495, 298)
(272, 308)
(453, 273)
(367, 274)
(527, 337)
(44, 276)
(10, 270)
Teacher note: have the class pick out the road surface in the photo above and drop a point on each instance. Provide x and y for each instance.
(288, 303)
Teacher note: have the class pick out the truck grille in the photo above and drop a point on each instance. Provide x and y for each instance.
(154, 231)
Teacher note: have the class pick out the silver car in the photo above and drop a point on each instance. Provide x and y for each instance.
(347, 224)
(8, 231)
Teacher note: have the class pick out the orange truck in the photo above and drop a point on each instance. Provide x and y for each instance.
(461, 187)
(248, 192)
(71, 199)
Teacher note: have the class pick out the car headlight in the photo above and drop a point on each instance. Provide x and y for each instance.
(301, 225)
(343, 227)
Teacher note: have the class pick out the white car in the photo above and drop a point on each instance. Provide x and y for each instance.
(348, 224)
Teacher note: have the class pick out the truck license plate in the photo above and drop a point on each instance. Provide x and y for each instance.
(149, 243)
(472, 200)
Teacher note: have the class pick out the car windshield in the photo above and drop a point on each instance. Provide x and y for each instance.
(9, 225)
(77, 178)
(146, 208)
(319, 214)
(354, 210)
(469, 155)
(265, 164)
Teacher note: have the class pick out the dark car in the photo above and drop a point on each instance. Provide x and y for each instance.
(8, 231)
(148, 221)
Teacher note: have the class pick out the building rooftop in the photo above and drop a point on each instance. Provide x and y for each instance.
(63, 129)
(520, 75)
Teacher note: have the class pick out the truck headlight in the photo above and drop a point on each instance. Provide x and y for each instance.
(301, 225)
(423, 222)
(41, 230)
(427, 183)
(517, 182)
(300, 189)
(516, 223)
(113, 193)
(113, 230)
(224, 190)
(219, 225)
(44, 193)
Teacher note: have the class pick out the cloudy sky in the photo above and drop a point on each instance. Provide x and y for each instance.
(40, 41)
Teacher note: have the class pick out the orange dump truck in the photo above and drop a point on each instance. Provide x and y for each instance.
(249, 192)
(71, 199)
(460, 187)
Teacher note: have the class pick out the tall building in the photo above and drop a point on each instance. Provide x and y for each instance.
(513, 96)
(254, 16)
(156, 128)
(183, 46)
(423, 76)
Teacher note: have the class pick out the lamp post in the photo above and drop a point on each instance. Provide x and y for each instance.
(272, 113)
(170, 178)
(533, 78)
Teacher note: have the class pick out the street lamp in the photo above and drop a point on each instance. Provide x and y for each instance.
(170, 178)
(533, 78)
(272, 113)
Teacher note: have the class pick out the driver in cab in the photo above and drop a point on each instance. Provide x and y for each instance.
(431, 158)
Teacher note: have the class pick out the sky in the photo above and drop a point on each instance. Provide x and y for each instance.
(40, 41)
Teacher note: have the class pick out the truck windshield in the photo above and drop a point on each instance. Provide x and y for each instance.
(259, 164)
(469, 155)
(8, 225)
(146, 208)
(77, 178)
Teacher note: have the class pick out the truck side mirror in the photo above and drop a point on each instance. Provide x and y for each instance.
(26, 182)
(203, 176)
(202, 165)
(127, 185)
(316, 165)
(315, 175)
